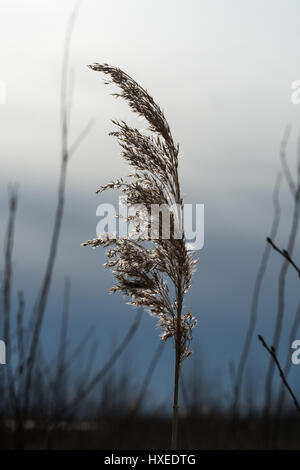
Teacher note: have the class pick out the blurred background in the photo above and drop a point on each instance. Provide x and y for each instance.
(222, 72)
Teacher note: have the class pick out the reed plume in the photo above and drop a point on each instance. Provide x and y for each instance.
(151, 269)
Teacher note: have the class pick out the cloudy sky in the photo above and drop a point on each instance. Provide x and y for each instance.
(222, 71)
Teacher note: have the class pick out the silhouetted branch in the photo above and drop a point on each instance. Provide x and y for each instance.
(255, 297)
(89, 365)
(75, 353)
(80, 138)
(105, 369)
(282, 289)
(272, 353)
(141, 396)
(60, 372)
(20, 331)
(288, 363)
(40, 306)
(7, 282)
(285, 254)
(286, 370)
(7, 285)
(284, 164)
(152, 366)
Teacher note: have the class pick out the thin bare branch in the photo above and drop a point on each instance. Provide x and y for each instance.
(41, 302)
(271, 350)
(284, 163)
(83, 134)
(20, 331)
(106, 368)
(285, 255)
(281, 298)
(255, 297)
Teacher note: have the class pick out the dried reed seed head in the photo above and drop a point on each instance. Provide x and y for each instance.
(154, 274)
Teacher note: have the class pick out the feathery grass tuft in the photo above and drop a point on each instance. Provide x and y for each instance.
(152, 271)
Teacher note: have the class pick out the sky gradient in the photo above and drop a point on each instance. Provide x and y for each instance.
(222, 71)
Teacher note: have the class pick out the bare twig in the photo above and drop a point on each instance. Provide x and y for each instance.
(40, 306)
(285, 254)
(287, 368)
(7, 285)
(282, 282)
(20, 331)
(154, 361)
(70, 360)
(143, 391)
(60, 371)
(284, 164)
(255, 298)
(105, 369)
(7, 282)
(271, 350)
(80, 138)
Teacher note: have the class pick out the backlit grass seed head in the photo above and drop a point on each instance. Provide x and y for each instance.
(154, 274)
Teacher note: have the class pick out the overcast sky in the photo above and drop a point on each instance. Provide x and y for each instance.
(222, 71)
